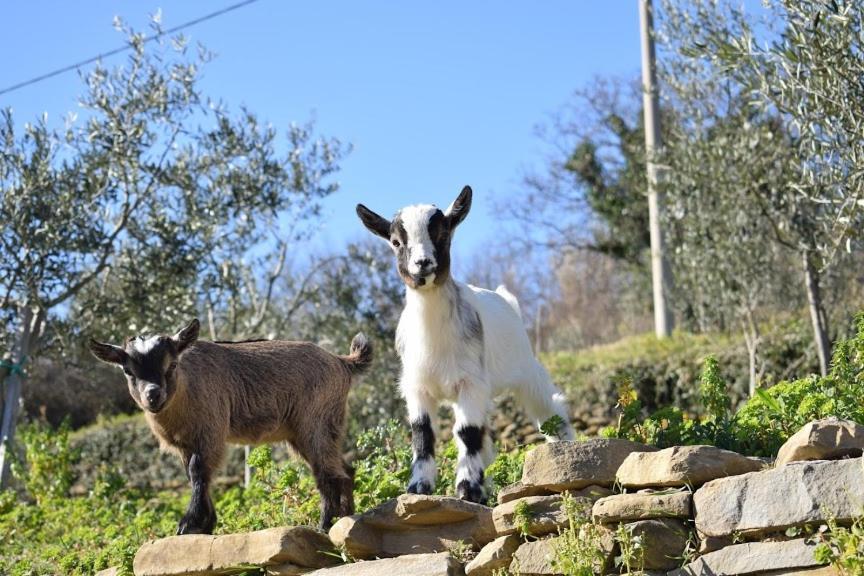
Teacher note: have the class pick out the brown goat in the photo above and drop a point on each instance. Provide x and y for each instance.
(198, 395)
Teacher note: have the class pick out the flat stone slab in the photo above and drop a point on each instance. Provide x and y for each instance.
(494, 556)
(205, 555)
(442, 564)
(561, 466)
(546, 515)
(772, 500)
(788, 557)
(827, 439)
(682, 466)
(414, 524)
(642, 506)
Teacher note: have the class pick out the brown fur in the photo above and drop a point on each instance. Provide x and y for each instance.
(251, 393)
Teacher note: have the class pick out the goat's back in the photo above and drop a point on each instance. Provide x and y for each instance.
(266, 388)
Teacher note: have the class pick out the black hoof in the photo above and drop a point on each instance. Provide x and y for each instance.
(472, 492)
(192, 525)
(420, 487)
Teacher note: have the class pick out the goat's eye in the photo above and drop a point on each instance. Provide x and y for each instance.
(395, 243)
(127, 371)
(172, 367)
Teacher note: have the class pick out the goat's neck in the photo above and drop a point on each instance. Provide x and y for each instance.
(433, 308)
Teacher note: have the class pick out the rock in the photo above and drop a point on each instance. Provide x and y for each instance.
(415, 564)
(113, 571)
(754, 558)
(534, 558)
(546, 514)
(431, 510)
(414, 524)
(495, 555)
(663, 541)
(682, 466)
(626, 507)
(828, 439)
(205, 555)
(792, 495)
(520, 490)
(561, 466)
(286, 569)
(711, 543)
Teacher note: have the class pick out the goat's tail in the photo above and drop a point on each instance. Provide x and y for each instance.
(509, 298)
(360, 357)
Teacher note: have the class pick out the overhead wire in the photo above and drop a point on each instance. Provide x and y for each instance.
(115, 51)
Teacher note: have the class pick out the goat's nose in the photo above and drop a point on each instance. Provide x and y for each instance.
(152, 394)
(423, 263)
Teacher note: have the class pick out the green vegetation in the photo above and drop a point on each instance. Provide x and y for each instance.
(842, 547)
(763, 423)
(668, 372)
(43, 529)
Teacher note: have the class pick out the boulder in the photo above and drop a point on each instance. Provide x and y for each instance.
(205, 555)
(683, 466)
(442, 564)
(792, 495)
(561, 466)
(546, 514)
(828, 439)
(534, 558)
(414, 524)
(642, 506)
(663, 541)
(788, 557)
(494, 556)
(113, 571)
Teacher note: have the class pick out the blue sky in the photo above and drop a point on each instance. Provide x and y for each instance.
(431, 95)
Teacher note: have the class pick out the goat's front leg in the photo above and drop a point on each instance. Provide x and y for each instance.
(470, 433)
(200, 517)
(421, 412)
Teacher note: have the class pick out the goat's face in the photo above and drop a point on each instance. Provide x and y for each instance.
(150, 364)
(420, 238)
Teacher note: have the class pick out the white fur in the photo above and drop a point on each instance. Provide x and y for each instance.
(438, 364)
(144, 345)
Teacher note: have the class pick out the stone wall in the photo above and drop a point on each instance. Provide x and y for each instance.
(682, 511)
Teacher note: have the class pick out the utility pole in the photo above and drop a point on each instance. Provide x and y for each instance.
(661, 276)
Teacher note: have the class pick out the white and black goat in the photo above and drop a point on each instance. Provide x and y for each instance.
(198, 395)
(457, 343)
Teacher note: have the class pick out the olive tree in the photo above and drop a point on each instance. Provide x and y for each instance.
(807, 72)
(150, 205)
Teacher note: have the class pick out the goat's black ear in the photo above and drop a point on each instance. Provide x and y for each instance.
(107, 352)
(376, 224)
(187, 336)
(460, 207)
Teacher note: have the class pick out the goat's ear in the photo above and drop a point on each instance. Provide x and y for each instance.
(187, 336)
(107, 352)
(376, 224)
(458, 210)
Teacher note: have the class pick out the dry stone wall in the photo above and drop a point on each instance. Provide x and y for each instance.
(687, 511)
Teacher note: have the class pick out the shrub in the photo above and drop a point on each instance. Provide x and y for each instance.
(764, 422)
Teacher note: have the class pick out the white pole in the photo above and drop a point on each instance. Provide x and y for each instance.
(660, 273)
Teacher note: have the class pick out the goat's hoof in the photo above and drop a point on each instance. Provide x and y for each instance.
(472, 492)
(420, 487)
(190, 526)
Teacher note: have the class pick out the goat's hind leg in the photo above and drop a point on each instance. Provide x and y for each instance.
(474, 444)
(542, 400)
(200, 517)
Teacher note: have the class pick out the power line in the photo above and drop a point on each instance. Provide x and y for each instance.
(77, 65)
